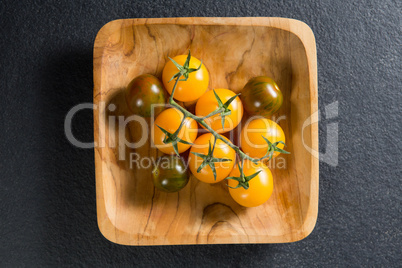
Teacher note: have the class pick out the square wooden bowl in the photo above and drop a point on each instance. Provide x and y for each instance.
(130, 211)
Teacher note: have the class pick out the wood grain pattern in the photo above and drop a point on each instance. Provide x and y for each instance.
(130, 211)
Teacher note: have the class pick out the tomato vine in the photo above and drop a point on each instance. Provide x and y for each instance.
(223, 110)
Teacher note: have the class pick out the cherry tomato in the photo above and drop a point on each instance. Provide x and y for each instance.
(196, 84)
(260, 187)
(144, 91)
(208, 103)
(252, 142)
(170, 120)
(222, 150)
(261, 96)
(170, 173)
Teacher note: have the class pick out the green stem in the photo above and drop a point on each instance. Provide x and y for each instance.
(223, 110)
(174, 89)
(217, 111)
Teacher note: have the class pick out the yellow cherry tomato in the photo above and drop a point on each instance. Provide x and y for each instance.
(260, 187)
(222, 150)
(208, 103)
(252, 142)
(196, 84)
(170, 120)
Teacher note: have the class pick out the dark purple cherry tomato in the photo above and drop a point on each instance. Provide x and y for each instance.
(144, 91)
(261, 96)
(170, 173)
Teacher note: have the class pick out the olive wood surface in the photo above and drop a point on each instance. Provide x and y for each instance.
(130, 210)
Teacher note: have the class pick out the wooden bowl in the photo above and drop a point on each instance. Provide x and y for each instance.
(130, 210)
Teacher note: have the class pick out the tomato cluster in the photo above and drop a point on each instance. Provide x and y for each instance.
(212, 157)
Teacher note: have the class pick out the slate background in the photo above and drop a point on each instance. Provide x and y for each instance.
(47, 193)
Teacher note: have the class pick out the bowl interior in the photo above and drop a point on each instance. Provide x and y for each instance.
(200, 213)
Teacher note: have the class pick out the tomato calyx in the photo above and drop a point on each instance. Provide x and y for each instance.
(184, 70)
(209, 159)
(243, 180)
(223, 107)
(173, 137)
(272, 147)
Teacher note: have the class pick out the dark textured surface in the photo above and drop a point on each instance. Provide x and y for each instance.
(47, 208)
